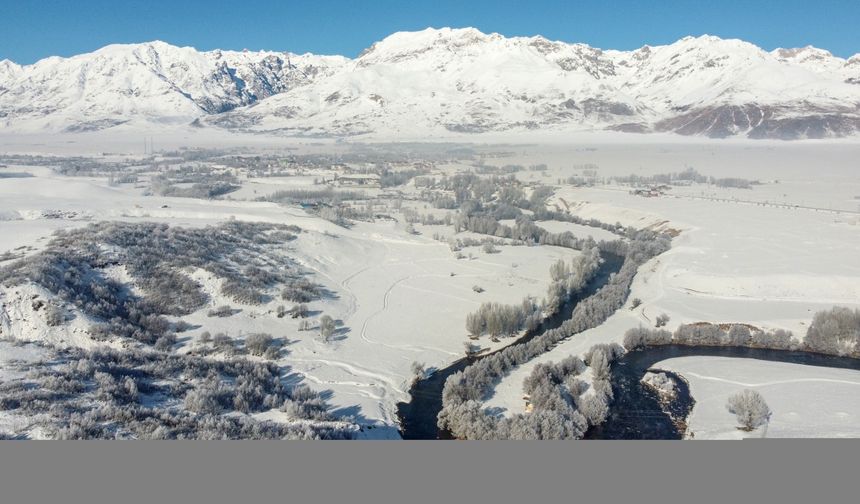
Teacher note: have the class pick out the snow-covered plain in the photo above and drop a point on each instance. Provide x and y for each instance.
(806, 401)
(401, 298)
(770, 256)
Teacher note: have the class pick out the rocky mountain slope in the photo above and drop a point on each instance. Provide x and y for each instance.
(446, 80)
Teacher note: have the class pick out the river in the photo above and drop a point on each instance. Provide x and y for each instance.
(636, 412)
(418, 416)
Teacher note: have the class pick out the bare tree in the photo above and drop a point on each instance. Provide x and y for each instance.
(750, 408)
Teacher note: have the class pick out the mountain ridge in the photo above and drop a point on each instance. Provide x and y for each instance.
(457, 80)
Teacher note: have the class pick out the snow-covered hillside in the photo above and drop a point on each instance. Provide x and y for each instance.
(440, 81)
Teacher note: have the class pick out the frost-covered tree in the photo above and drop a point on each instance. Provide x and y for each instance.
(418, 371)
(594, 408)
(835, 331)
(474, 324)
(661, 320)
(599, 366)
(750, 408)
(258, 343)
(739, 335)
(327, 328)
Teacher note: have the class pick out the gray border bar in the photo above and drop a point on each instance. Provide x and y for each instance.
(803, 471)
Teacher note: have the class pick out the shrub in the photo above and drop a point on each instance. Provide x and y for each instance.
(301, 290)
(489, 248)
(54, 315)
(221, 311)
(299, 311)
(222, 341)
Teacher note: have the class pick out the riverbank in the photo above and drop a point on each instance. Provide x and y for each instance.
(636, 412)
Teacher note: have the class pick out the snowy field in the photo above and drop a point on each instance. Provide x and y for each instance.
(806, 401)
(772, 266)
(401, 298)
(770, 256)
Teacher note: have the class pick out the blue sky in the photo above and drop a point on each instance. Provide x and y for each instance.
(30, 30)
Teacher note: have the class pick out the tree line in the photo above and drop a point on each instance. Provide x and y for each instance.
(835, 332)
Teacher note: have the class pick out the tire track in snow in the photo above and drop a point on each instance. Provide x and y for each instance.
(354, 370)
(385, 304)
(769, 383)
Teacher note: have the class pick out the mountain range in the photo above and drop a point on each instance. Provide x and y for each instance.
(439, 81)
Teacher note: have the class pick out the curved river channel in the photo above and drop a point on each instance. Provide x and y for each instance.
(418, 416)
(636, 412)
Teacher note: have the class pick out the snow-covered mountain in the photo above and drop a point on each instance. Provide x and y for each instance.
(152, 82)
(446, 80)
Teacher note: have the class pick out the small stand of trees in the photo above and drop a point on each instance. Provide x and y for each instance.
(833, 332)
(497, 319)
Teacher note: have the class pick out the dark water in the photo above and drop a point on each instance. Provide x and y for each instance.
(418, 416)
(636, 412)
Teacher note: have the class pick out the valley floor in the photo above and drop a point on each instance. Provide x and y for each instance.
(741, 255)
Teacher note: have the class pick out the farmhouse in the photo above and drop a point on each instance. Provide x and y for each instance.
(357, 179)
